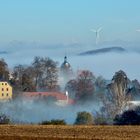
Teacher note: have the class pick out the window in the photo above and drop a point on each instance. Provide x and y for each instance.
(2, 94)
(2, 89)
(7, 94)
(2, 84)
(5, 83)
(7, 89)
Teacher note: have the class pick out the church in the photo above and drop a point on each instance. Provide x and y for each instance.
(66, 70)
(65, 73)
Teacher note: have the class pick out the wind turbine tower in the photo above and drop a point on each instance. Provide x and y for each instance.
(97, 33)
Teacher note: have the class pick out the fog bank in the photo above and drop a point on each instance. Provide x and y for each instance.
(28, 111)
(105, 64)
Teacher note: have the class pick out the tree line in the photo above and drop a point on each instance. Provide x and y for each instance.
(43, 73)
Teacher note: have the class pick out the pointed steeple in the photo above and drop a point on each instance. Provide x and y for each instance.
(65, 67)
(65, 59)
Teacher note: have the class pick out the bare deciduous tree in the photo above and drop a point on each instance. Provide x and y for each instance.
(42, 74)
(4, 71)
(82, 86)
(116, 98)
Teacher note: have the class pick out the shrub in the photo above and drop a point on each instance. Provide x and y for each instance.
(130, 117)
(99, 120)
(54, 122)
(4, 119)
(84, 118)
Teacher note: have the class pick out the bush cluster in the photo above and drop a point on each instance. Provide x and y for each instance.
(54, 122)
(129, 117)
(4, 119)
(84, 118)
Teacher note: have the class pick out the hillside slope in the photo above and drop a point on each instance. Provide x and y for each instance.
(104, 50)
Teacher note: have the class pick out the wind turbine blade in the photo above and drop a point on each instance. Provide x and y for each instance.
(99, 29)
(92, 30)
(138, 30)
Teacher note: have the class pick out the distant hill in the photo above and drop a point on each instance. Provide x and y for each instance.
(104, 50)
(3, 52)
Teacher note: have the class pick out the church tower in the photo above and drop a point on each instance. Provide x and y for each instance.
(66, 70)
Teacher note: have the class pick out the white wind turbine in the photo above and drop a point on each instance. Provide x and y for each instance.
(97, 34)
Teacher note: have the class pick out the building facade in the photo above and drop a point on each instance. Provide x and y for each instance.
(5, 91)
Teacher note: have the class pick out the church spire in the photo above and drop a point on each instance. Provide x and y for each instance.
(65, 59)
(65, 65)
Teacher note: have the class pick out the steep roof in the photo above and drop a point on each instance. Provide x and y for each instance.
(58, 95)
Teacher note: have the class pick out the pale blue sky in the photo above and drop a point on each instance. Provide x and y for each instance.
(67, 21)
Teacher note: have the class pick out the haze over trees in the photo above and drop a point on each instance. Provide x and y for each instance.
(135, 90)
(22, 78)
(4, 71)
(40, 75)
(116, 97)
(82, 86)
(43, 73)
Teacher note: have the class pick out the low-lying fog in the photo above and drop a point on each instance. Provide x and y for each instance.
(102, 64)
(29, 111)
(105, 64)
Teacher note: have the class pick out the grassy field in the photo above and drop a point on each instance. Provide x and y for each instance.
(38, 132)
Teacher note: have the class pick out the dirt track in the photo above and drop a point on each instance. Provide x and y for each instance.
(36, 132)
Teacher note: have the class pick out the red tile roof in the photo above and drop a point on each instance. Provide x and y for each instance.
(58, 95)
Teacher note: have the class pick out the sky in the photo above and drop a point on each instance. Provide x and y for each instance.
(50, 28)
(68, 21)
